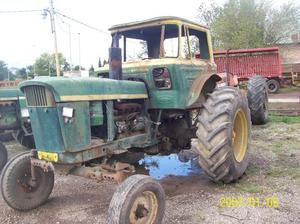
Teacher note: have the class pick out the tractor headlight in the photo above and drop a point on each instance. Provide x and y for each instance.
(25, 112)
(67, 112)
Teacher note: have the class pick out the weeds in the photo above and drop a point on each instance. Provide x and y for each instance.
(285, 119)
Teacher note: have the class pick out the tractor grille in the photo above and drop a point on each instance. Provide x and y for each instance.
(38, 96)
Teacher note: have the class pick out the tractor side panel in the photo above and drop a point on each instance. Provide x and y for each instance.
(46, 129)
(165, 98)
(182, 77)
(75, 131)
(55, 133)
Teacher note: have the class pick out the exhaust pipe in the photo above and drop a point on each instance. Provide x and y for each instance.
(115, 59)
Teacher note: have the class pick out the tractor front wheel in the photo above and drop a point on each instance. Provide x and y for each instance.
(25, 140)
(3, 155)
(19, 190)
(139, 199)
(223, 135)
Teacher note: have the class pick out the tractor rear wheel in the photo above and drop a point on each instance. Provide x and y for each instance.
(223, 135)
(139, 199)
(258, 99)
(3, 155)
(19, 190)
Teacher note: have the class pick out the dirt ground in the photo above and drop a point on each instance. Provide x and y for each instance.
(286, 101)
(274, 171)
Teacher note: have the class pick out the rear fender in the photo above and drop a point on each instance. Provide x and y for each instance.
(203, 84)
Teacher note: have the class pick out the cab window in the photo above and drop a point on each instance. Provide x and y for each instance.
(198, 44)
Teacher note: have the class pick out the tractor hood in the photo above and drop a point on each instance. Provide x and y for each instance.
(10, 94)
(88, 89)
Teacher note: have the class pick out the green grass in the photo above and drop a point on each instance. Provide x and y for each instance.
(275, 172)
(253, 170)
(249, 187)
(277, 147)
(294, 173)
(285, 119)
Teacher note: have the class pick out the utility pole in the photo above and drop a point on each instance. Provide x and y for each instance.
(70, 46)
(49, 69)
(33, 54)
(8, 75)
(79, 53)
(51, 12)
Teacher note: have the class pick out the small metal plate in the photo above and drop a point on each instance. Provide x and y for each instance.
(48, 156)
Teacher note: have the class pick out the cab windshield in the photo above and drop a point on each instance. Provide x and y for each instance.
(150, 42)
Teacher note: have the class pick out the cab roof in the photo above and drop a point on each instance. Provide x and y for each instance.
(153, 21)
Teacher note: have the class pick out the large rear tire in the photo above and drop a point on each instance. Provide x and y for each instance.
(139, 199)
(3, 155)
(258, 99)
(223, 135)
(18, 189)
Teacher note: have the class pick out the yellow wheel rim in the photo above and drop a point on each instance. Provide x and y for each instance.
(144, 209)
(240, 135)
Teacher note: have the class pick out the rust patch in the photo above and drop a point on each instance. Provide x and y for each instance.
(44, 165)
(113, 172)
(115, 64)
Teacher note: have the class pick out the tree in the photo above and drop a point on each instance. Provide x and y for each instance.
(77, 68)
(105, 62)
(66, 67)
(3, 71)
(21, 73)
(207, 12)
(249, 23)
(30, 71)
(239, 25)
(91, 71)
(281, 23)
(45, 64)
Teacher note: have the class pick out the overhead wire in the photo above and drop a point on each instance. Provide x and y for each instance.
(59, 13)
(61, 23)
(82, 23)
(20, 11)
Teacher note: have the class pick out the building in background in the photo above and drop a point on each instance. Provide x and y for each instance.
(290, 58)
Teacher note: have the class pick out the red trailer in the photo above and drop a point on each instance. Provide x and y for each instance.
(248, 62)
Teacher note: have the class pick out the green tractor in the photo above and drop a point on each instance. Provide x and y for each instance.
(14, 118)
(160, 94)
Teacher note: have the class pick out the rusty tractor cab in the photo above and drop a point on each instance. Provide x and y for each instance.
(160, 98)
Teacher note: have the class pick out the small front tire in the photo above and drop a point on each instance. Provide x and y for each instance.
(3, 155)
(18, 189)
(139, 199)
(25, 140)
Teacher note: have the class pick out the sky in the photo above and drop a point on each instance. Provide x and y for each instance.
(25, 36)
